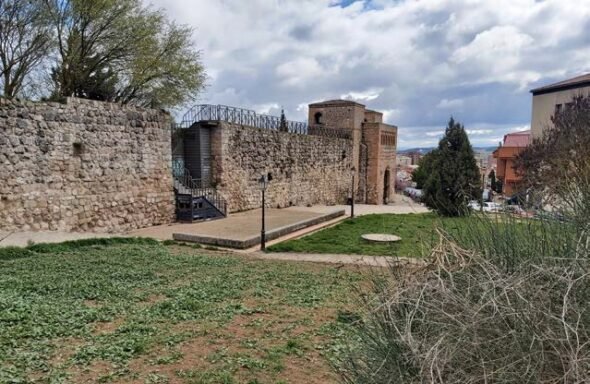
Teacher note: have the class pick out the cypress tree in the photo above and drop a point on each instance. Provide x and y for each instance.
(454, 177)
(493, 180)
(283, 127)
(420, 175)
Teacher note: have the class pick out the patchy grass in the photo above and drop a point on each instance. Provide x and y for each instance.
(137, 311)
(416, 230)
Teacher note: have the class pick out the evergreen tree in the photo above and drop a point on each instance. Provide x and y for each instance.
(420, 175)
(454, 175)
(283, 127)
(492, 177)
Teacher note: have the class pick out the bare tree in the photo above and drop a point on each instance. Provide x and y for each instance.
(557, 164)
(24, 42)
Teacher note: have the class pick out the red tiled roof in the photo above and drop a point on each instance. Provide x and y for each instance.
(517, 139)
(574, 82)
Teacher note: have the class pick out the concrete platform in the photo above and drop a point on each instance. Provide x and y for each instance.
(242, 230)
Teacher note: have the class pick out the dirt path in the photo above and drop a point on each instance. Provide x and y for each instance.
(362, 260)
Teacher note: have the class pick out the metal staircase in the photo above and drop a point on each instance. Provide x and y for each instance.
(195, 201)
(198, 195)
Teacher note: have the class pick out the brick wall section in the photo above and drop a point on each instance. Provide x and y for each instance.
(305, 169)
(83, 166)
(381, 157)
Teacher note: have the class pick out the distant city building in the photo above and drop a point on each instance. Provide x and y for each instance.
(555, 97)
(403, 161)
(404, 177)
(482, 159)
(505, 155)
(415, 156)
(491, 162)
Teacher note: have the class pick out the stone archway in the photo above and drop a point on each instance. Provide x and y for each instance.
(386, 185)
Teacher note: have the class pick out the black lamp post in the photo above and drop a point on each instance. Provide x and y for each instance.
(352, 195)
(483, 182)
(263, 182)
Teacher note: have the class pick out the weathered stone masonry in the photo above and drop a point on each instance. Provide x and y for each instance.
(305, 169)
(83, 165)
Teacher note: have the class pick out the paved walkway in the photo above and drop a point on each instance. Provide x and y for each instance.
(246, 221)
(237, 226)
(366, 261)
(402, 205)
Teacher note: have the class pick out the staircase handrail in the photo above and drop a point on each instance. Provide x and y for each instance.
(197, 189)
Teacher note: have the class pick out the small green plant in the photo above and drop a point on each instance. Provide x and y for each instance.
(11, 253)
(65, 307)
(68, 246)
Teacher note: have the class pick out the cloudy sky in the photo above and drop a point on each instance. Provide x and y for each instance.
(417, 61)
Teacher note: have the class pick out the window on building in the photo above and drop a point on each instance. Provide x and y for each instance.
(318, 118)
(558, 108)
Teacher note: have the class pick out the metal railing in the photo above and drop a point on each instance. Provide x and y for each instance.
(197, 188)
(206, 112)
(209, 112)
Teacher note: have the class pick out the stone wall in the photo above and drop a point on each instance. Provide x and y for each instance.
(305, 169)
(83, 166)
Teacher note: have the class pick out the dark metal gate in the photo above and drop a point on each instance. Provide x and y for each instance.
(205, 156)
(197, 154)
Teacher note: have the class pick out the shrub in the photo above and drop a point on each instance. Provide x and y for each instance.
(498, 303)
(11, 253)
(68, 246)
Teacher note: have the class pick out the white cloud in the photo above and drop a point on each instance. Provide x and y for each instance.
(450, 104)
(522, 128)
(476, 132)
(390, 116)
(299, 71)
(266, 109)
(498, 43)
(417, 61)
(368, 95)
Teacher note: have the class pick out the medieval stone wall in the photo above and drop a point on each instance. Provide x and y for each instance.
(305, 169)
(83, 165)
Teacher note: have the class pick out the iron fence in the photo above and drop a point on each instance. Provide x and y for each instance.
(209, 112)
(197, 187)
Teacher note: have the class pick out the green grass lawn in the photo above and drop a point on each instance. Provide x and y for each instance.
(144, 312)
(416, 230)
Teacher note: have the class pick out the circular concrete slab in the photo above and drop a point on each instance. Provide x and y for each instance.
(381, 238)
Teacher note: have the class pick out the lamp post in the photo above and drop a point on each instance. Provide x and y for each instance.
(483, 183)
(352, 195)
(263, 182)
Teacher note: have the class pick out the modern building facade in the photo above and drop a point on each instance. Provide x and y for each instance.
(555, 97)
(373, 145)
(505, 156)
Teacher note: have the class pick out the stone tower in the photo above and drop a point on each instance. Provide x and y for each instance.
(374, 145)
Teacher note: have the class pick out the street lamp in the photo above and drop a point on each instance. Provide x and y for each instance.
(263, 183)
(352, 195)
(483, 183)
